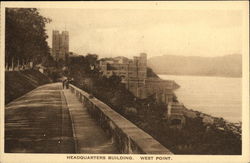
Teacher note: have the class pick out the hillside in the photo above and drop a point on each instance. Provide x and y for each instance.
(17, 83)
(194, 138)
(229, 65)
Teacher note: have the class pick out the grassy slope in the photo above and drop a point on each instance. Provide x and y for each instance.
(17, 83)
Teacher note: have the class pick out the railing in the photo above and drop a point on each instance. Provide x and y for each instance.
(128, 137)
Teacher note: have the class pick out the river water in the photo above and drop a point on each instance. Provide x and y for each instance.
(217, 96)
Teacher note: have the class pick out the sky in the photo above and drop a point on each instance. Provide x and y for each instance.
(111, 32)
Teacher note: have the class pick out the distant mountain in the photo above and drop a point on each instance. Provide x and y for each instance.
(229, 65)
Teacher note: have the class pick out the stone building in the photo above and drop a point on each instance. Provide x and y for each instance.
(134, 75)
(60, 45)
(175, 115)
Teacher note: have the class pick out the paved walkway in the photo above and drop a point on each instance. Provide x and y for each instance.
(89, 136)
(41, 122)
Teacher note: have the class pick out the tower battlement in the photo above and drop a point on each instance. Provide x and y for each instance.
(60, 45)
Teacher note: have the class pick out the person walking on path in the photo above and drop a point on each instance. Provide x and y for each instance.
(63, 83)
(67, 84)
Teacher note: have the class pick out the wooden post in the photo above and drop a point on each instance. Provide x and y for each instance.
(12, 64)
(18, 64)
(6, 66)
(22, 64)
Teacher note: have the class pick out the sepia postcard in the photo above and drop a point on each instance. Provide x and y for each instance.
(125, 81)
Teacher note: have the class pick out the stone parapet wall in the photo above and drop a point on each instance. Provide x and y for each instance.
(129, 138)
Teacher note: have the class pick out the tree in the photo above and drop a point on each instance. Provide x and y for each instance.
(91, 59)
(25, 35)
(49, 62)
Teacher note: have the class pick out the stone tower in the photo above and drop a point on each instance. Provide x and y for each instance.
(60, 45)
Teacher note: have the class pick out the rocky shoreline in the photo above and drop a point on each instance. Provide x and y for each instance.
(219, 123)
